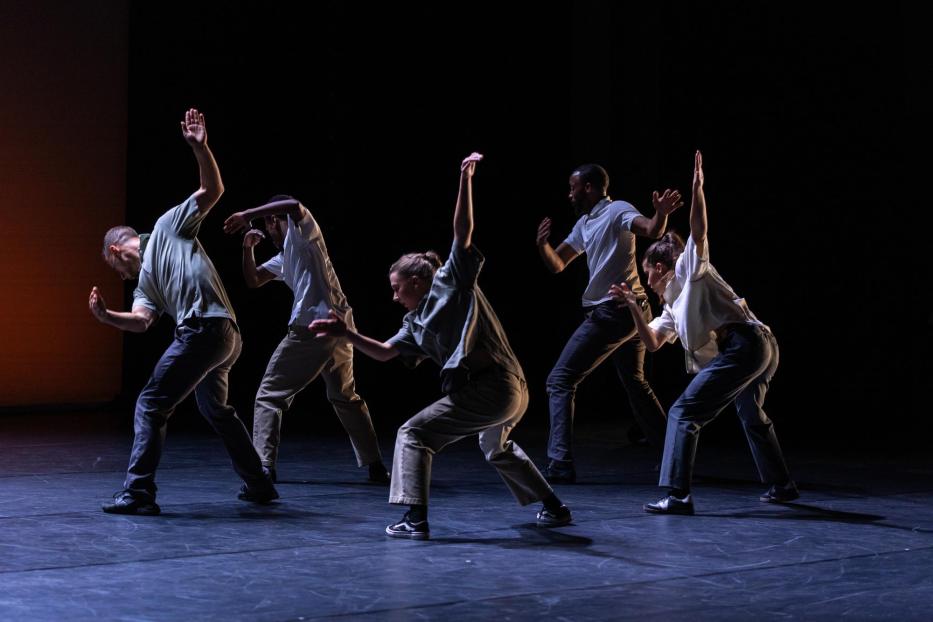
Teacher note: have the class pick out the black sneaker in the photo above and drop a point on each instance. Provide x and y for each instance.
(547, 518)
(559, 474)
(780, 494)
(378, 473)
(260, 493)
(125, 503)
(270, 471)
(671, 505)
(407, 529)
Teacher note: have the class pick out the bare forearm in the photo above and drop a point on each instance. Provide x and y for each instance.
(550, 258)
(463, 214)
(370, 347)
(131, 322)
(211, 183)
(276, 208)
(647, 334)
(698, 216)
(249, 269)
(653, 227)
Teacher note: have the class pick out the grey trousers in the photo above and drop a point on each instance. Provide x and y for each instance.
(490, 405)
(298, 360)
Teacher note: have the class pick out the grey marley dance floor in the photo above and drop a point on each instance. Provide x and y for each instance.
(859, 543)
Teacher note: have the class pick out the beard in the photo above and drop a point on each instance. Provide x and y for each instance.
(579, 209)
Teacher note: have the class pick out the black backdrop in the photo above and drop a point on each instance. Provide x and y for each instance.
(805, 117)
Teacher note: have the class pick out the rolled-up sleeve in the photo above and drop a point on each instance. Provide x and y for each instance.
(185, 219)
(404, 341)
(142, 296)
(693, 263)
(624, 214)
(664, 326)
(275, 266)
(462, 267)
(575, 237)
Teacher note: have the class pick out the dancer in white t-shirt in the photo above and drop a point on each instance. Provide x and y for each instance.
(733, 355)
(304, 265)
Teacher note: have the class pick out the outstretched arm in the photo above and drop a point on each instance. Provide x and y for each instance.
(555, 259)
(336, 327)
(463, 213)
(240, 221)
(664, 205)
(137, 321)
(624, 295)
(254, 277)
(698, 203)
(194, 131)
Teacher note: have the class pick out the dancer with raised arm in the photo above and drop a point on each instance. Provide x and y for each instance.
(450, 321)
(733, 355)
(177, 277)
(605, 232)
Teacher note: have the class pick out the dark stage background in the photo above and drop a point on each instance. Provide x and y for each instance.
(804, 115)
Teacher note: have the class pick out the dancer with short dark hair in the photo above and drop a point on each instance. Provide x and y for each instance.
(605, 232)
(304, 265)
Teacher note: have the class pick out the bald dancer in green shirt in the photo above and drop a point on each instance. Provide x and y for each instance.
(177, 277)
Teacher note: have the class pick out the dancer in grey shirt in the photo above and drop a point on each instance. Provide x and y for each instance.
(177, 277)
(451, 322)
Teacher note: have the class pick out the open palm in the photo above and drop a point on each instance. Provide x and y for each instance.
(193, 128)
(698, 171)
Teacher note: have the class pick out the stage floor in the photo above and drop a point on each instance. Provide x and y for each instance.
(858, 543)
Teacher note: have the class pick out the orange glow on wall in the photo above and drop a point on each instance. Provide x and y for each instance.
(62, 184)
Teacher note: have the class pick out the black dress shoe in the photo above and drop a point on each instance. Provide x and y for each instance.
(780, 494)
(258, 493)
(559, 474)
(671, 505)
(378, 473)
(124, 502)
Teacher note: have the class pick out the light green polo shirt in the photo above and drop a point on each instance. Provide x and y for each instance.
(453, 319)
(177, 277)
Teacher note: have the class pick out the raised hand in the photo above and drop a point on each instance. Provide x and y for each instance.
(252, 238)
(623, 294)
(97, 305)
(194, 129)
(468, 166)
(666, 202)
(544, 231)
(333, 326)
(698, 171)
(235, 223)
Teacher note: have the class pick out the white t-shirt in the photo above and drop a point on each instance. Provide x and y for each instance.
(605, 236)
(303, 265)
(697, 301)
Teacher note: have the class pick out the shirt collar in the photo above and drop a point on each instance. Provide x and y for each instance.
(599, 207)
